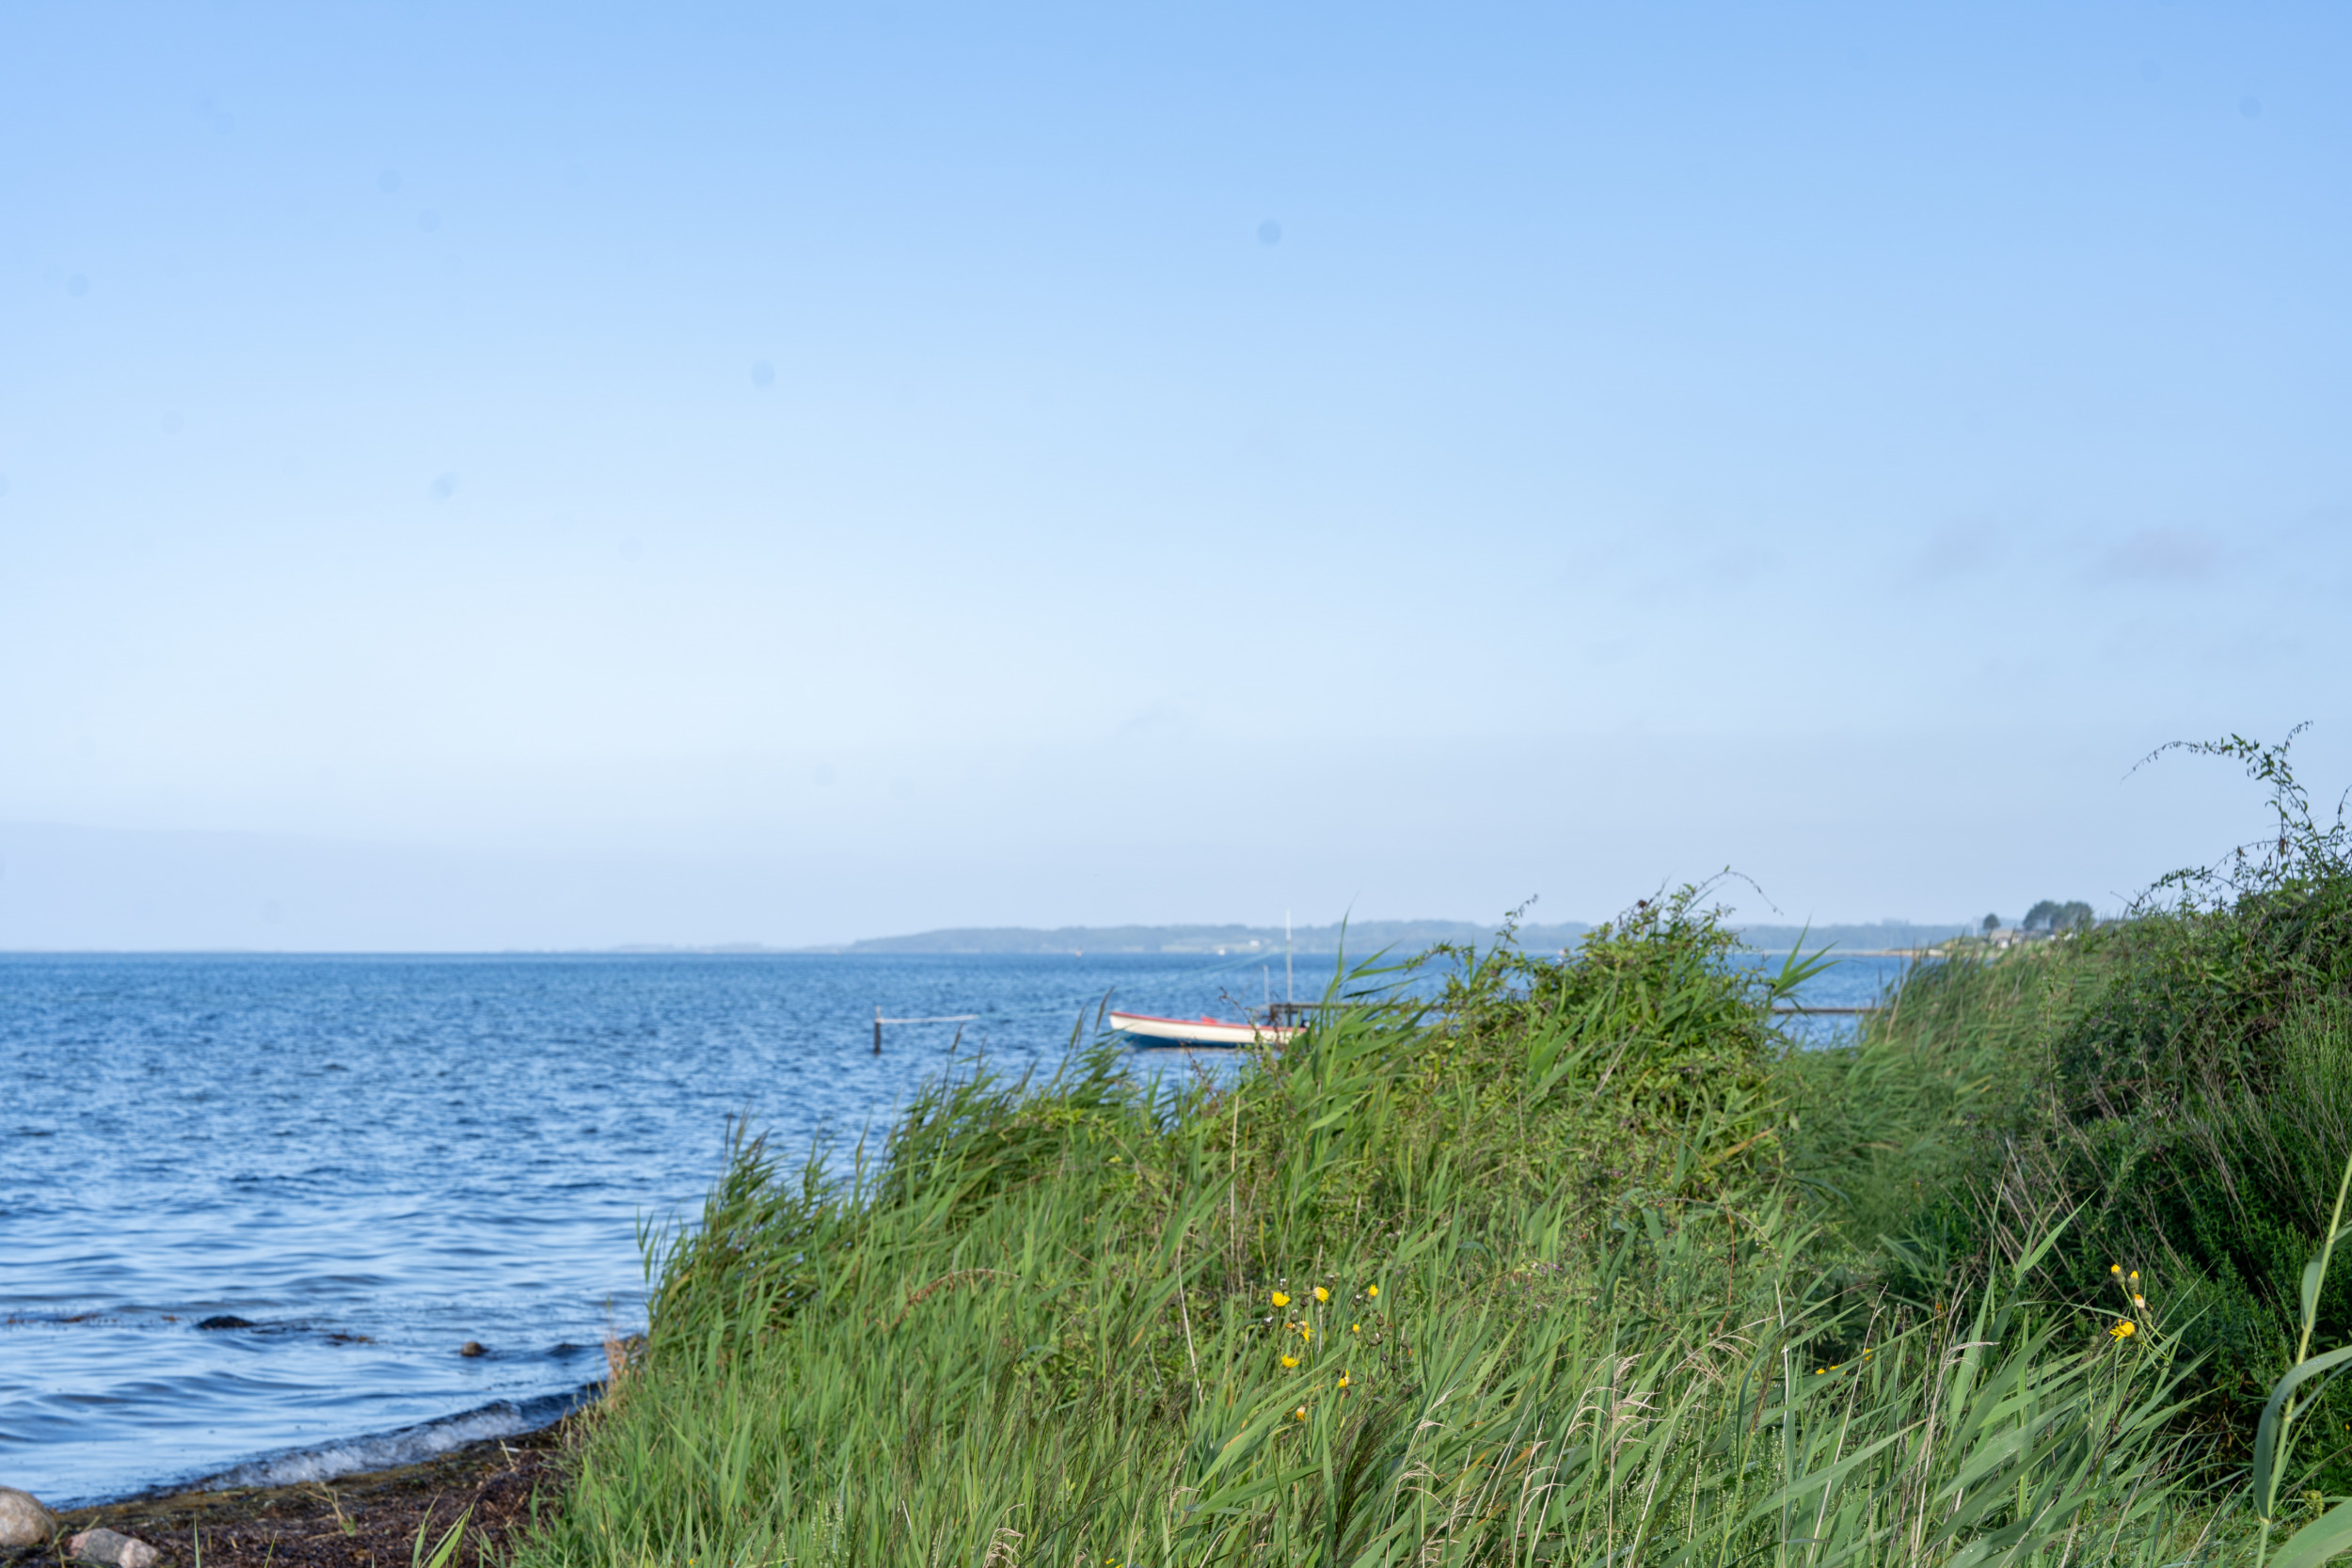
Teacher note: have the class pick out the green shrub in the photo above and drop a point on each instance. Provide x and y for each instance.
(2181, 1078)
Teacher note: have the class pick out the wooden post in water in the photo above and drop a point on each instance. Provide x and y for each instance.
(878, 1031)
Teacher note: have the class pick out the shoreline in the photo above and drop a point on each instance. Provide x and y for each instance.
(366, 1519)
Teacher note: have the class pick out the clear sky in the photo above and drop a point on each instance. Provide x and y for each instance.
(502, 475)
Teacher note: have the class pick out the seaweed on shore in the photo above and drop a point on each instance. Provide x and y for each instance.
(370, 1520)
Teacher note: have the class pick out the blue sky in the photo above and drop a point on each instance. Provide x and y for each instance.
(792, 473)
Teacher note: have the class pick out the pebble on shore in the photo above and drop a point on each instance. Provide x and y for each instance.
(112, 1549)
(23, 1521)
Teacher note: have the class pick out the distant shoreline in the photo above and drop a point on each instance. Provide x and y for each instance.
(1882, 939)
(1362, 943)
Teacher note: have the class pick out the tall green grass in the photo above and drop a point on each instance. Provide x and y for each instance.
(2181, 1079)
(1520, 1281)
(1581, 1262)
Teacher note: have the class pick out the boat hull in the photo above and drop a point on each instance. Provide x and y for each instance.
(1144, 1029)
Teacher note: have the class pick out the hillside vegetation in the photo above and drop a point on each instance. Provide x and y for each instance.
(1584, 1263)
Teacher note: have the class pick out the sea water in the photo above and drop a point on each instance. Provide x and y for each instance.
(370, 1162)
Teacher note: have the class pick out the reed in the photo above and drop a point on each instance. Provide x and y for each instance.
(1522, 1280)
(1581, 1263)
(2181, 1080)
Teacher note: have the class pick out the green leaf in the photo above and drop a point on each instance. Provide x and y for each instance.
(1805, 1485)
(441, 1555)
(2041, 1249)
(2315, 1275)
(2319, 1541)
(1799, 967)
(2266, 1432)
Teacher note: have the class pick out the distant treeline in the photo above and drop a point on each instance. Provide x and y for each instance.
(1364, 937)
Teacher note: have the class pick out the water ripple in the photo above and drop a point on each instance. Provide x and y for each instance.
(372, 1161)
(375, 1160)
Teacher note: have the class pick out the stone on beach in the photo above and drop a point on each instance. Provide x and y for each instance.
(23, 1521)
(113, 1549)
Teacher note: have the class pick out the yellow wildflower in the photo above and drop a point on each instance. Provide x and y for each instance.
(2134, 1276)
(2124, 1330)
(1290, 1361)
(1322, 1294)
(1371, 1290)
(2115, 1268)
(1280, 1300)
(2139, 1300)
(1301, 1413)
(1354, 1328)
(1343, 1380)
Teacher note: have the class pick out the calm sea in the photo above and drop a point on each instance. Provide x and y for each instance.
(371, 1160)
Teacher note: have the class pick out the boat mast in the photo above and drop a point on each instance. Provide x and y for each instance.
(1287, 996)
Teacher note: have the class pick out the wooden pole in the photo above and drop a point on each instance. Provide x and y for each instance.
(878, 1031)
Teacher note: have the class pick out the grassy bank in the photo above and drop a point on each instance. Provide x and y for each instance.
(1584, 1263)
